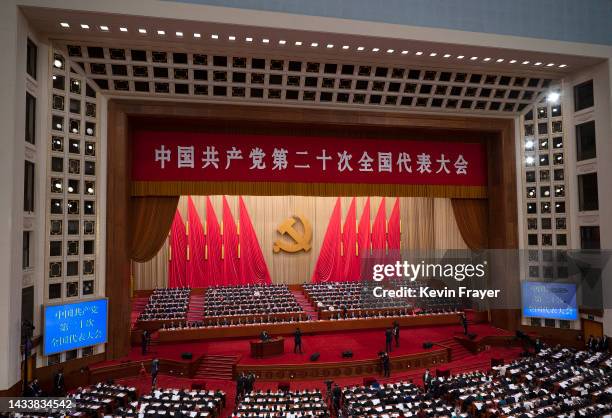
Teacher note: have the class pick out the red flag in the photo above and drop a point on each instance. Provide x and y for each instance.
(379, 230)
(349, 241)
(178, 252)
(252, 263)
(393, 228)
(363, 235)
(329, 262)
(196, 264)
(231, 272)
(214, 264)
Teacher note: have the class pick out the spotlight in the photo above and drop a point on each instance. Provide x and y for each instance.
(179, 34)
(265, 40)
(104, 28)
(345, 47)
(84, 26)
(529, 160)
(404, 52)
(197, 35)
(58, 63)
(214, 36)
(142, 31)
(161, 32)
(249, 39)
(553, 97)
(298, 43)
(64, 25)
(329, 46)
(282, 42)
(122, 29)
(419, 53)
(360, 48)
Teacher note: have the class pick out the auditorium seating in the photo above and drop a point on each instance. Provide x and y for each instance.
(305, 403)
(166, 304)
(225, 305)
(341, 300)
(556, 382)
(107, 399)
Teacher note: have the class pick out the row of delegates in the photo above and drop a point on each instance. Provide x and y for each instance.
(286, 404)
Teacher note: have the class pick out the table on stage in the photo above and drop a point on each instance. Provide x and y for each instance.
(271, 347)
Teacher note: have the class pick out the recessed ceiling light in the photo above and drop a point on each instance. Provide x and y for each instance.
(64, 25)
(419, 53)
(538, 63)
(499, 60)
(404, 52)
(330, 45)
(179, 34)
(249, 39)
(512, 61)
(550, 64)
(122, 29)
(314, 44)
(57, 63)
(84, 26)
(390, 51)
(104, 28)
(525, 62)
(553, 97)
(231, 38)
(460, 57)
(282, 42)
(562, 65)
(141, 30)
(345, 47)
(161, 32)
(487, 59)
(360, 48)
(529, 160)
(433, 54)
(197, 35)
(375, 49)
(473, 58)
(265, 40)
(446, 55)
(298, 43)
(214, 36)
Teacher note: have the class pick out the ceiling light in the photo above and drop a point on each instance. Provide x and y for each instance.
(298, 43)
(538, 63)
(282, 42)
(84, 26)
(473, 58)
(231, 38)
(161, 32)
(330, 46)
(529, 144)
(57, 63)
(143, 31)
(214, 36)
(390, 51)
(314, 44)
(460, 57)
(419, 53)
(562, 65)
(179, 34)
(512, 61)
(122, 29)
(265, 40)
(375, 49)
(487, 59)
(104, 28)
(64, 25)
(197, 35)
(553, 97)
(404, 52)
(345, 47)
(249, 39)
(499, 60)
(433, 54)
(529, 160)
(550, 64)
(360, 48)
(447, 55)
(525, 62)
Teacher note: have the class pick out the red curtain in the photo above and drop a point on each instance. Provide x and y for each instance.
(393, 228)
(214, 264)
(231, 272)
(253, 266)
(329, 262)
(379, 238)
(196, 240)
(178, 253)
(349, 241)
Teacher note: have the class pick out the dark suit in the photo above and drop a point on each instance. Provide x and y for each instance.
(297, 339)
(388, 340)
(154, 372)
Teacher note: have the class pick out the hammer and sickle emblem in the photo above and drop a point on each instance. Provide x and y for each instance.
(301, 241)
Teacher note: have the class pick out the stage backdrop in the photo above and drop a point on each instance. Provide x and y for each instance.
(426, 223)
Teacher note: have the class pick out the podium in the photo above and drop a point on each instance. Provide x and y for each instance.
(272, 347)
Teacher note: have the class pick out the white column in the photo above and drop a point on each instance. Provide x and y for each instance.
(13, 40)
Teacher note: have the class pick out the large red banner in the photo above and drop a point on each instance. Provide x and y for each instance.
(189, 156)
